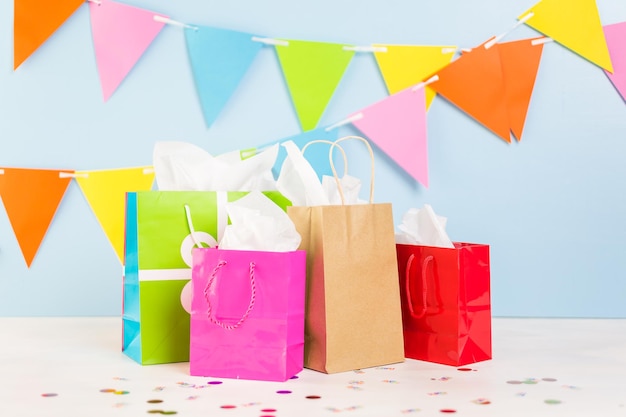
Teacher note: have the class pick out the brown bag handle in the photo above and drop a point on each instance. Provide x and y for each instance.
(407, 286)
(332, 166)
(330, 142)
(210, 308)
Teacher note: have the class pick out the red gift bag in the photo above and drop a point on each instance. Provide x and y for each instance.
(446, 307)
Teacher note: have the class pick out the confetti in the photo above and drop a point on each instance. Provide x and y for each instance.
(549, 379)
(410, 410)
(154, 401)
(121, 392)
(294, 377)
(49, 394)
(552, 402)
(312, 397)
(228, 406)
(437, 393)
(268, 410)
(481, 401)
(530, 381)
(356, 382)
(215, 382)
(465, 369)
(158, 389)
(447, 410)
(520, 394)
(514, 382)
(107, 390)
(283, 391)
(390, 381)
(443, 378)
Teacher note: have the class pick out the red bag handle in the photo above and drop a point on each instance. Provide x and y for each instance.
(210, 308)
(407, 287)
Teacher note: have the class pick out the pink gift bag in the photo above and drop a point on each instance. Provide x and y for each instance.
(247, 314)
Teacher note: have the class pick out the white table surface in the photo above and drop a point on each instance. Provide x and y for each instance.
(541, 367)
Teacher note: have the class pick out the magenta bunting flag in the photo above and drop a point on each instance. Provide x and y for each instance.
(121, 34)
(397, 125)
(615, 35)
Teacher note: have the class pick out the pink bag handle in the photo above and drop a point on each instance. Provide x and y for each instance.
(210, 308)
(407, 287)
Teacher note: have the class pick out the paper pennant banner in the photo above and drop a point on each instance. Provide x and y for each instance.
(219, 60)
(35, 21)
(616, 39)
(31, 198)
(520, 63)
(474, 82)
(312, 71)
(121, 34)
(105, 191)
(397, 125)
(574, 24)
(403, 66)
(316, 154)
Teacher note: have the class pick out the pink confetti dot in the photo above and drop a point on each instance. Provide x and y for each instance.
(228, 406)
(49, 394)
(448, 410)
(283, 391)
(268, 410)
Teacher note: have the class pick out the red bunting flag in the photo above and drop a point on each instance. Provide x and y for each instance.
(31, 198)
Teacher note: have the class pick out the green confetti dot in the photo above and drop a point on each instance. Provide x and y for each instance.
(552, 402)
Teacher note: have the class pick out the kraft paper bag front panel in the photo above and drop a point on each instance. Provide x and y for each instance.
(353, 316)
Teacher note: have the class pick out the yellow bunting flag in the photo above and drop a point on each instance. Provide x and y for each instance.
(35, 21)
(403, 66)
(31, 198)
(312, 71)
(105, 191)
(574, 24)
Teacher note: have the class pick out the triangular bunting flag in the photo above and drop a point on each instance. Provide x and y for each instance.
(574, 24)
(403, 66)
(35, 21)
(105, 191)
(31, 198)
(397, 125)
(316, 154)
(520, 63)
(616, 40)
(121, 34)
(312, 71)
(475, 83)
(219, 60)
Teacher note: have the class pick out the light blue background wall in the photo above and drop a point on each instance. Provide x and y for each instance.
(553, 207)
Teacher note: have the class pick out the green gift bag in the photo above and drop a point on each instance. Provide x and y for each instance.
(158, 266)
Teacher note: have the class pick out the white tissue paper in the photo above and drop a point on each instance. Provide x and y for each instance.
(299, 182)
(257, 223)
(181, 166)
(351, 187)
(423, 227)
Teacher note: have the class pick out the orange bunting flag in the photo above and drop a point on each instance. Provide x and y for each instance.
(474, 82)
(403, 66)
(105, 191)
(312, 71)
(31, 198)
(35, 21)
(574, 24)
(520, 63)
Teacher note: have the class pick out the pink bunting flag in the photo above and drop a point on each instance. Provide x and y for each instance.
(121, 34)
(397, 125)
(616, 41)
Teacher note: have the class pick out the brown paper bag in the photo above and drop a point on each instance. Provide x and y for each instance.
(353, 317)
